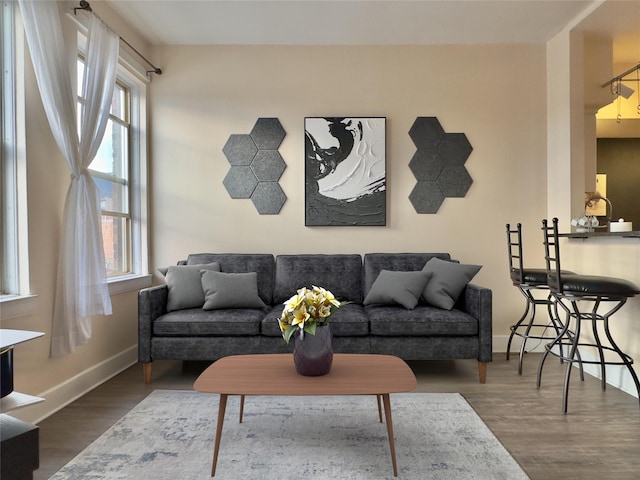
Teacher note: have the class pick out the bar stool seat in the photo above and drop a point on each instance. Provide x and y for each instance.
(573, 290)
(530, 276)
(596, 285)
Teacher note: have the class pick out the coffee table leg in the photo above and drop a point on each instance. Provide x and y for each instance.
(216, 447)
(387, 414)
(241, 407)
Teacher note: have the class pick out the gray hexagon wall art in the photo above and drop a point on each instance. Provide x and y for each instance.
(256, 166)
(438, 165)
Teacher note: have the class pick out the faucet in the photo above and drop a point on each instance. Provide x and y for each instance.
(592, 198)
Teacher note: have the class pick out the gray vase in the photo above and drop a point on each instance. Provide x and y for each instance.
(313, 354)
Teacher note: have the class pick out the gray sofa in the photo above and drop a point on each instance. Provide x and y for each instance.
(422, 333)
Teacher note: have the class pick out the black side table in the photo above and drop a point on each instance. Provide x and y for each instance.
(19, 449)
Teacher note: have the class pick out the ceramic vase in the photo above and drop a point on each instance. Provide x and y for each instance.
(313, 354)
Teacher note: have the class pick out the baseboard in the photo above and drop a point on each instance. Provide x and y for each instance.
(63, 394)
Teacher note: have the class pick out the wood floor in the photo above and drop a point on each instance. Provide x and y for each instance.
(598, 439)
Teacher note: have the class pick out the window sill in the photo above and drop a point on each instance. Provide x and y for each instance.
(13, 306)
(128, 283)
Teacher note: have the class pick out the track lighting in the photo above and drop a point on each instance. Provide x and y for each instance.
(621, 89)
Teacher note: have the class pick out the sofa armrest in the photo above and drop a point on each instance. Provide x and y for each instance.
(477, 302)
(152, 303)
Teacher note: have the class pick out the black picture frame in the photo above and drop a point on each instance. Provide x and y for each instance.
(345, 171)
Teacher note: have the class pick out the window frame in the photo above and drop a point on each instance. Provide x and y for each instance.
(124, 180)
(15, 291)
(137, 248)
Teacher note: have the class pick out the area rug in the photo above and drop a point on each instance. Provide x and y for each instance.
(170, 436)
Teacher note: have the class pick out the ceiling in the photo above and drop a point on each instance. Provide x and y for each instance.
(378, 22)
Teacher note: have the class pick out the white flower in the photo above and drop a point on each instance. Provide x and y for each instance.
(300, 316)
(306, 310)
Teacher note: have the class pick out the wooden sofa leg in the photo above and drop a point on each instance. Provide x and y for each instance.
(482, 371)
(146, 368)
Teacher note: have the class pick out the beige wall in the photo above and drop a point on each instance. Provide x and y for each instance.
(494, 94)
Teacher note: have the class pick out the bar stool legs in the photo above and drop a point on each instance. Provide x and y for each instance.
(527, 326)
(574, 344)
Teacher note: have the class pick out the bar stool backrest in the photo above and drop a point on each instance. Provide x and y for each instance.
(514, 247)
(552, 255)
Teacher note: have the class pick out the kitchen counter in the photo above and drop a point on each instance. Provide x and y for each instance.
(596, 234)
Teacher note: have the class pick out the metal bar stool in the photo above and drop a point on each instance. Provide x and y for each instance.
(598, 291)
(529, 280)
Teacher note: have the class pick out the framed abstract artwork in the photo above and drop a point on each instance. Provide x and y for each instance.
(345, 171)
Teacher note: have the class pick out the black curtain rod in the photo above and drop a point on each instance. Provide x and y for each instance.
(84, 5)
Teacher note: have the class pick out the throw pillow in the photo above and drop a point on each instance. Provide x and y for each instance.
(393, 287)
(448, 281)
(230, 290)
(184, 285)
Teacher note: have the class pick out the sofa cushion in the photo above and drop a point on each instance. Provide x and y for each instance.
(340, 274)
(424, 320)
(348, 321)
(199, 322)
(184, 285)
(447, 282)
(262, 264)
(230, 290)
(402, 288)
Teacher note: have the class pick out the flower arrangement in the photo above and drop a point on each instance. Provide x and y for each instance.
(306, 310)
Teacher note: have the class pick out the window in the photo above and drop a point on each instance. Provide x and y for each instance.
(110, 170)
(6, 152)
(14, 271)
(119, 170)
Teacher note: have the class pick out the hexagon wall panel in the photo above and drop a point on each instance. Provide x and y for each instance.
(240, 150)
(455, 148)
(268, 165)
(426, 197)
(426, 132)
(256, 166)
(437, 165)
(454, 181)
(268, 198)
(240, 182)
(267, 133)
(426, 165)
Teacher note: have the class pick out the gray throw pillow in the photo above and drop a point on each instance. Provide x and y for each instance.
(393, 287)
(184, 285)
(448, 281)
(230, 290)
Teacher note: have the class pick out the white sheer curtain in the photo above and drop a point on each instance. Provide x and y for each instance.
(82, 289)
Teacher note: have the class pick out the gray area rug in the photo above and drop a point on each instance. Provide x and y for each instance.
(170, 435)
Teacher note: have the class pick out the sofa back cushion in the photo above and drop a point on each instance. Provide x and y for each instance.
(340, 274)
(262, 264)
(374, 263)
